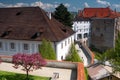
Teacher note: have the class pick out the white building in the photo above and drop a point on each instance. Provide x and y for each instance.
(22, 30)
(82, 29)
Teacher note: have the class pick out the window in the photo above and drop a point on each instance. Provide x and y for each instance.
(68, 41)
(25, 46)
(79, 36)
(101, 35)
(1, 45)
(80, 30)
(61, 45)
(18, 13)
(71, 39)
(85, 35)
(12, 45)
(84, 29)
(61, 57)
(65, 43)
(39, 45)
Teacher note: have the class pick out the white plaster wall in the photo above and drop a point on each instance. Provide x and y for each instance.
(64, 51)
(6, 50)
(33, 47)
(81, 27)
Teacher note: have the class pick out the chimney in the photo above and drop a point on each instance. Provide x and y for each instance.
(49, 15)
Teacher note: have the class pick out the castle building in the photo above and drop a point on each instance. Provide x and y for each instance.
(104, 26)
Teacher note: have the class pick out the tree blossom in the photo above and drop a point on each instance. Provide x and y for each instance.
(29, 62)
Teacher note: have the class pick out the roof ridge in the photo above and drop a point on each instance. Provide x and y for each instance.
(46, 18)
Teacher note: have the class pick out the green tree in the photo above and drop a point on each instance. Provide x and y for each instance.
(47, 50)
(63, 15)
(112, 55)
(73, 55)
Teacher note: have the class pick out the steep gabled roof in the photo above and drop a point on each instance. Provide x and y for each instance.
(31, 23)
(98, 13)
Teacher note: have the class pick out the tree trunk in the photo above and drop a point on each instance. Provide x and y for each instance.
(27, 78)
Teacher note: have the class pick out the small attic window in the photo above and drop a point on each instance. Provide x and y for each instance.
(64, 30)
(5, 33)
(18, 13)
(37, 34)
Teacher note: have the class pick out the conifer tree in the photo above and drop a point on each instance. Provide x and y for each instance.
(73, 55)
(63, 15)
(47, 50)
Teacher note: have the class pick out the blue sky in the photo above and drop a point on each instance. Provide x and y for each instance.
(72, 5)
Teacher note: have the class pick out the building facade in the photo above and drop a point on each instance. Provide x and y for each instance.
(23, 29)
(82, 28)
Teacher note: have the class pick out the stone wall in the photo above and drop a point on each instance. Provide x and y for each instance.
(102, 33)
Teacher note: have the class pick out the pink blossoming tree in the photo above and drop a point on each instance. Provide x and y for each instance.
(29, 62)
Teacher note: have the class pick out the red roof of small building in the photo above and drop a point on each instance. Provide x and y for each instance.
(98, 13)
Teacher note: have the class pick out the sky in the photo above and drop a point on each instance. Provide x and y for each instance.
(72, 5)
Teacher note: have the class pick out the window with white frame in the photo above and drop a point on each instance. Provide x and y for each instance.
(68, 41)
(26, 46)
(1, 46)
(39, 45)
(71, 39)
(12, 45)
(61, 45)
(65, 43)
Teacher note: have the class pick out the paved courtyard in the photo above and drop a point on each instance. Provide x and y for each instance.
(64, 74)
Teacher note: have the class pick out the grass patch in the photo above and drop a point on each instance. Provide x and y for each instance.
(86, 73)
(15, 76)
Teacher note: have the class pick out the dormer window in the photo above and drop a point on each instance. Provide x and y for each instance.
(37, 34)
(5, 33)
(64, 30)
(18, 13)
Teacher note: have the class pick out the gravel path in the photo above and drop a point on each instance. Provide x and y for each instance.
(64, 74)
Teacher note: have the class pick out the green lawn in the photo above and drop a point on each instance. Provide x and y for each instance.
(15, 76)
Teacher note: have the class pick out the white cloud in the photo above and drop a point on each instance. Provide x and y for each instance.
(86, 4)
(13, 5)
(43, 5)
(2, 5)
(103, 2)
(46, 6)
(67, 5)
(40, 4)
(116, 5)
(18, 5)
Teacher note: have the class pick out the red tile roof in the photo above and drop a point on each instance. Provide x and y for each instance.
(98, 13)
(80, 72)
(31, 23)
